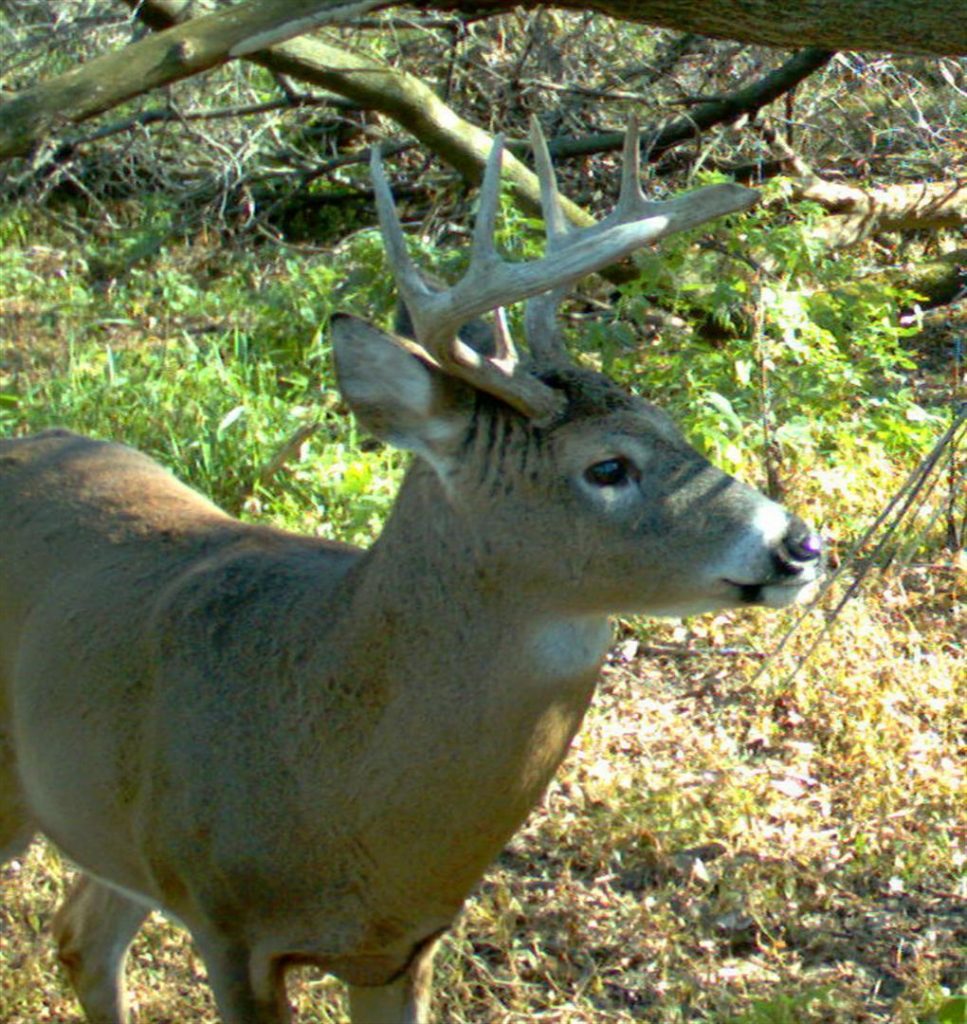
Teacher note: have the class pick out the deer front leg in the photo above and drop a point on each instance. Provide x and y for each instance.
(93, 929)
(16, 827)
(404, 1001)
(249, 989)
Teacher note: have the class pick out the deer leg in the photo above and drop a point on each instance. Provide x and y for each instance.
(93, 929)
(248, 989)
(406, 1000)
(16, 828)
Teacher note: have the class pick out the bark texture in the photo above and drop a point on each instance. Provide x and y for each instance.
(930, 206)
(861, 212)
(936, 27)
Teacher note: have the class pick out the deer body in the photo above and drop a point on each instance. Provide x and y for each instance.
(228, 637)
(310, 753)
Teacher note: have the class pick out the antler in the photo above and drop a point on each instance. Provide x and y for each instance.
(491, 283)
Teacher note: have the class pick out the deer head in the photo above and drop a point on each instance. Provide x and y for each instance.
(638, 520)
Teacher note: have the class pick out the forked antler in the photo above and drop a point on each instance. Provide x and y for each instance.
(491, 283)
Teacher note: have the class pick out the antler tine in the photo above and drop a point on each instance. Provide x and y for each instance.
(483, 252)
(645, 220)
(489, 283)
(631, 163)
(632, 202)
(437, 316)
(555, 223)
(485, 222)
(683, 212)
(408, 279)
(541, 326)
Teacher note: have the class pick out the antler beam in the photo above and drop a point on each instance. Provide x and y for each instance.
(491, 282)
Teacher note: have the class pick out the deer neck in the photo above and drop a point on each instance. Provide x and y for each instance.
(474, 689)
(430, 577)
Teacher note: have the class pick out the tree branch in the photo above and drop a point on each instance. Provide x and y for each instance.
(745, 102)
(408, 100)
(207, 41)
(416, 107)
(893, 26)
(861, 212)
(210, 38)
(161, 115)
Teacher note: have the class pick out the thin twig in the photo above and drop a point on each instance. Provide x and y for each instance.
(902, 500)
(583, 90)
(289, 448)
(164, 114)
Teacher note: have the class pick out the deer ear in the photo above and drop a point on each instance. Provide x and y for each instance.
(394, 394)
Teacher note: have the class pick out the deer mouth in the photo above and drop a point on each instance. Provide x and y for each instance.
(797, 567)
(779, 593)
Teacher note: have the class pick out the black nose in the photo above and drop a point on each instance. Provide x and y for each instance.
(800, 544)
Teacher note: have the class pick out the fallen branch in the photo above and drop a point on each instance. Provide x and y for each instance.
(161, 115)
(861, 212)
(39, 113)
(408, 100)
(405, 98)
(745, 103)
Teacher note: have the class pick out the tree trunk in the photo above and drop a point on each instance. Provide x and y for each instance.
(931, 206)
(408, 100)
(896, 26)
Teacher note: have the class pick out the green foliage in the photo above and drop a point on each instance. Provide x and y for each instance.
(211, 360)
(211, 364)
(794, 341)
(794, 1008)
(952, 1011)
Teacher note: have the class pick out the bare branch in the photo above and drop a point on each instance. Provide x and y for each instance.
(745, 102)
(183, 50)
(405, 98)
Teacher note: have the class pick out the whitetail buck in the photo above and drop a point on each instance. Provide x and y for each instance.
(308, 753)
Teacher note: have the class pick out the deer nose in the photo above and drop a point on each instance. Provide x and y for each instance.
(799, 549)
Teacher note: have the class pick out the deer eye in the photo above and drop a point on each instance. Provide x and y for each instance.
(609, 473)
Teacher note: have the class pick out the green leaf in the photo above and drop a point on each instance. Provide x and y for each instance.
(743, 371)
(953, 1011)
(722, 405)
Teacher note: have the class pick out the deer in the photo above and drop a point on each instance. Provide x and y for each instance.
(308, 753)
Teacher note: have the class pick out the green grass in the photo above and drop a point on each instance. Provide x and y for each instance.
(213, 370)
(722, 846)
